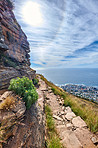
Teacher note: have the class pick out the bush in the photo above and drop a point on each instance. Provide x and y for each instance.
(24, 88)
(35, 81)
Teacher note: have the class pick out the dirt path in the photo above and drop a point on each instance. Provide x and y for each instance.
(72, 129)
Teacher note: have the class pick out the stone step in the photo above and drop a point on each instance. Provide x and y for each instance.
(70, 140)
(78, 122)
(57, 118)
(69, 116)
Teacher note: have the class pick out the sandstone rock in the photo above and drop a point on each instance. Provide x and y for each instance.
(60, 102)
(70, 140)
(5, 95)
(70, 115)
(19, 109)
(11, 116)
(94, 140)
(57, 99)
(6, 74)
(62, 112)
(68, 109)
(69, 126)
(63, 108)
(12, 38)
(23, 131)
(49, 88)
(63, 117)
(47, 97)
(57, 118)
(78, 122)
(61, 128)
(84, 136)
(50, 91)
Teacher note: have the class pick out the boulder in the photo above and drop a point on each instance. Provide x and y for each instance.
(78, 122)
(69, 126)
(70, 115)
(69, 140)
(94, 140)
(57, 118)
(68, 109)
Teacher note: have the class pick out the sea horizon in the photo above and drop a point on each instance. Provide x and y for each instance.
(75, 76)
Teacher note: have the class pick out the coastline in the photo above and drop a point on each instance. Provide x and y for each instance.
(86, 92)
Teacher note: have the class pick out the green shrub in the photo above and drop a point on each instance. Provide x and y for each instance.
(35, 81)
(24, 88)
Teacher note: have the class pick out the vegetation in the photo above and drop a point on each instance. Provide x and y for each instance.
(24, 88)
(35, 81)
(86, 109)
(53, 140)
(56, 90)
(7, 104)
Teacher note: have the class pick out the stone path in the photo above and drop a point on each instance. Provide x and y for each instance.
(72, 129)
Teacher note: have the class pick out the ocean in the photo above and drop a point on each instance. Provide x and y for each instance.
(61, 76)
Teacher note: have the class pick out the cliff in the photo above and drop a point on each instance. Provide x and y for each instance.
(18, 127)
(14, 47)
(13, 41)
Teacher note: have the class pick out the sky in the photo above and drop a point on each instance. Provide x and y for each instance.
(61, 33)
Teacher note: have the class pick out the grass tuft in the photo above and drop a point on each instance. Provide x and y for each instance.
(7, 104)
(53, 140)
(85, 109)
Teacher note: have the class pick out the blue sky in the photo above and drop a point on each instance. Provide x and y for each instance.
(68, 36)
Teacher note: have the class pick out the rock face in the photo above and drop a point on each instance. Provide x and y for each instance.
(8, 73)
(21, 127)
(13, 41)
(14, 48)
(18, 127)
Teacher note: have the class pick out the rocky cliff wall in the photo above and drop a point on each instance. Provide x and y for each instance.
(8, 73)
(21, 128)
(18, 127)
(13, 41)
(14, 48)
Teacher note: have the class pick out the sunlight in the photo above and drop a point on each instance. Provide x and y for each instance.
(32, 14)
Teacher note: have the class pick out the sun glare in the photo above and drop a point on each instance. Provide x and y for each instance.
(32, 14)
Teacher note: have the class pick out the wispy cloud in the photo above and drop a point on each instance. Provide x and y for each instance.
(69, 35)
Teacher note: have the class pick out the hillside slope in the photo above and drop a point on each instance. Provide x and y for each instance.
(72, 129)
